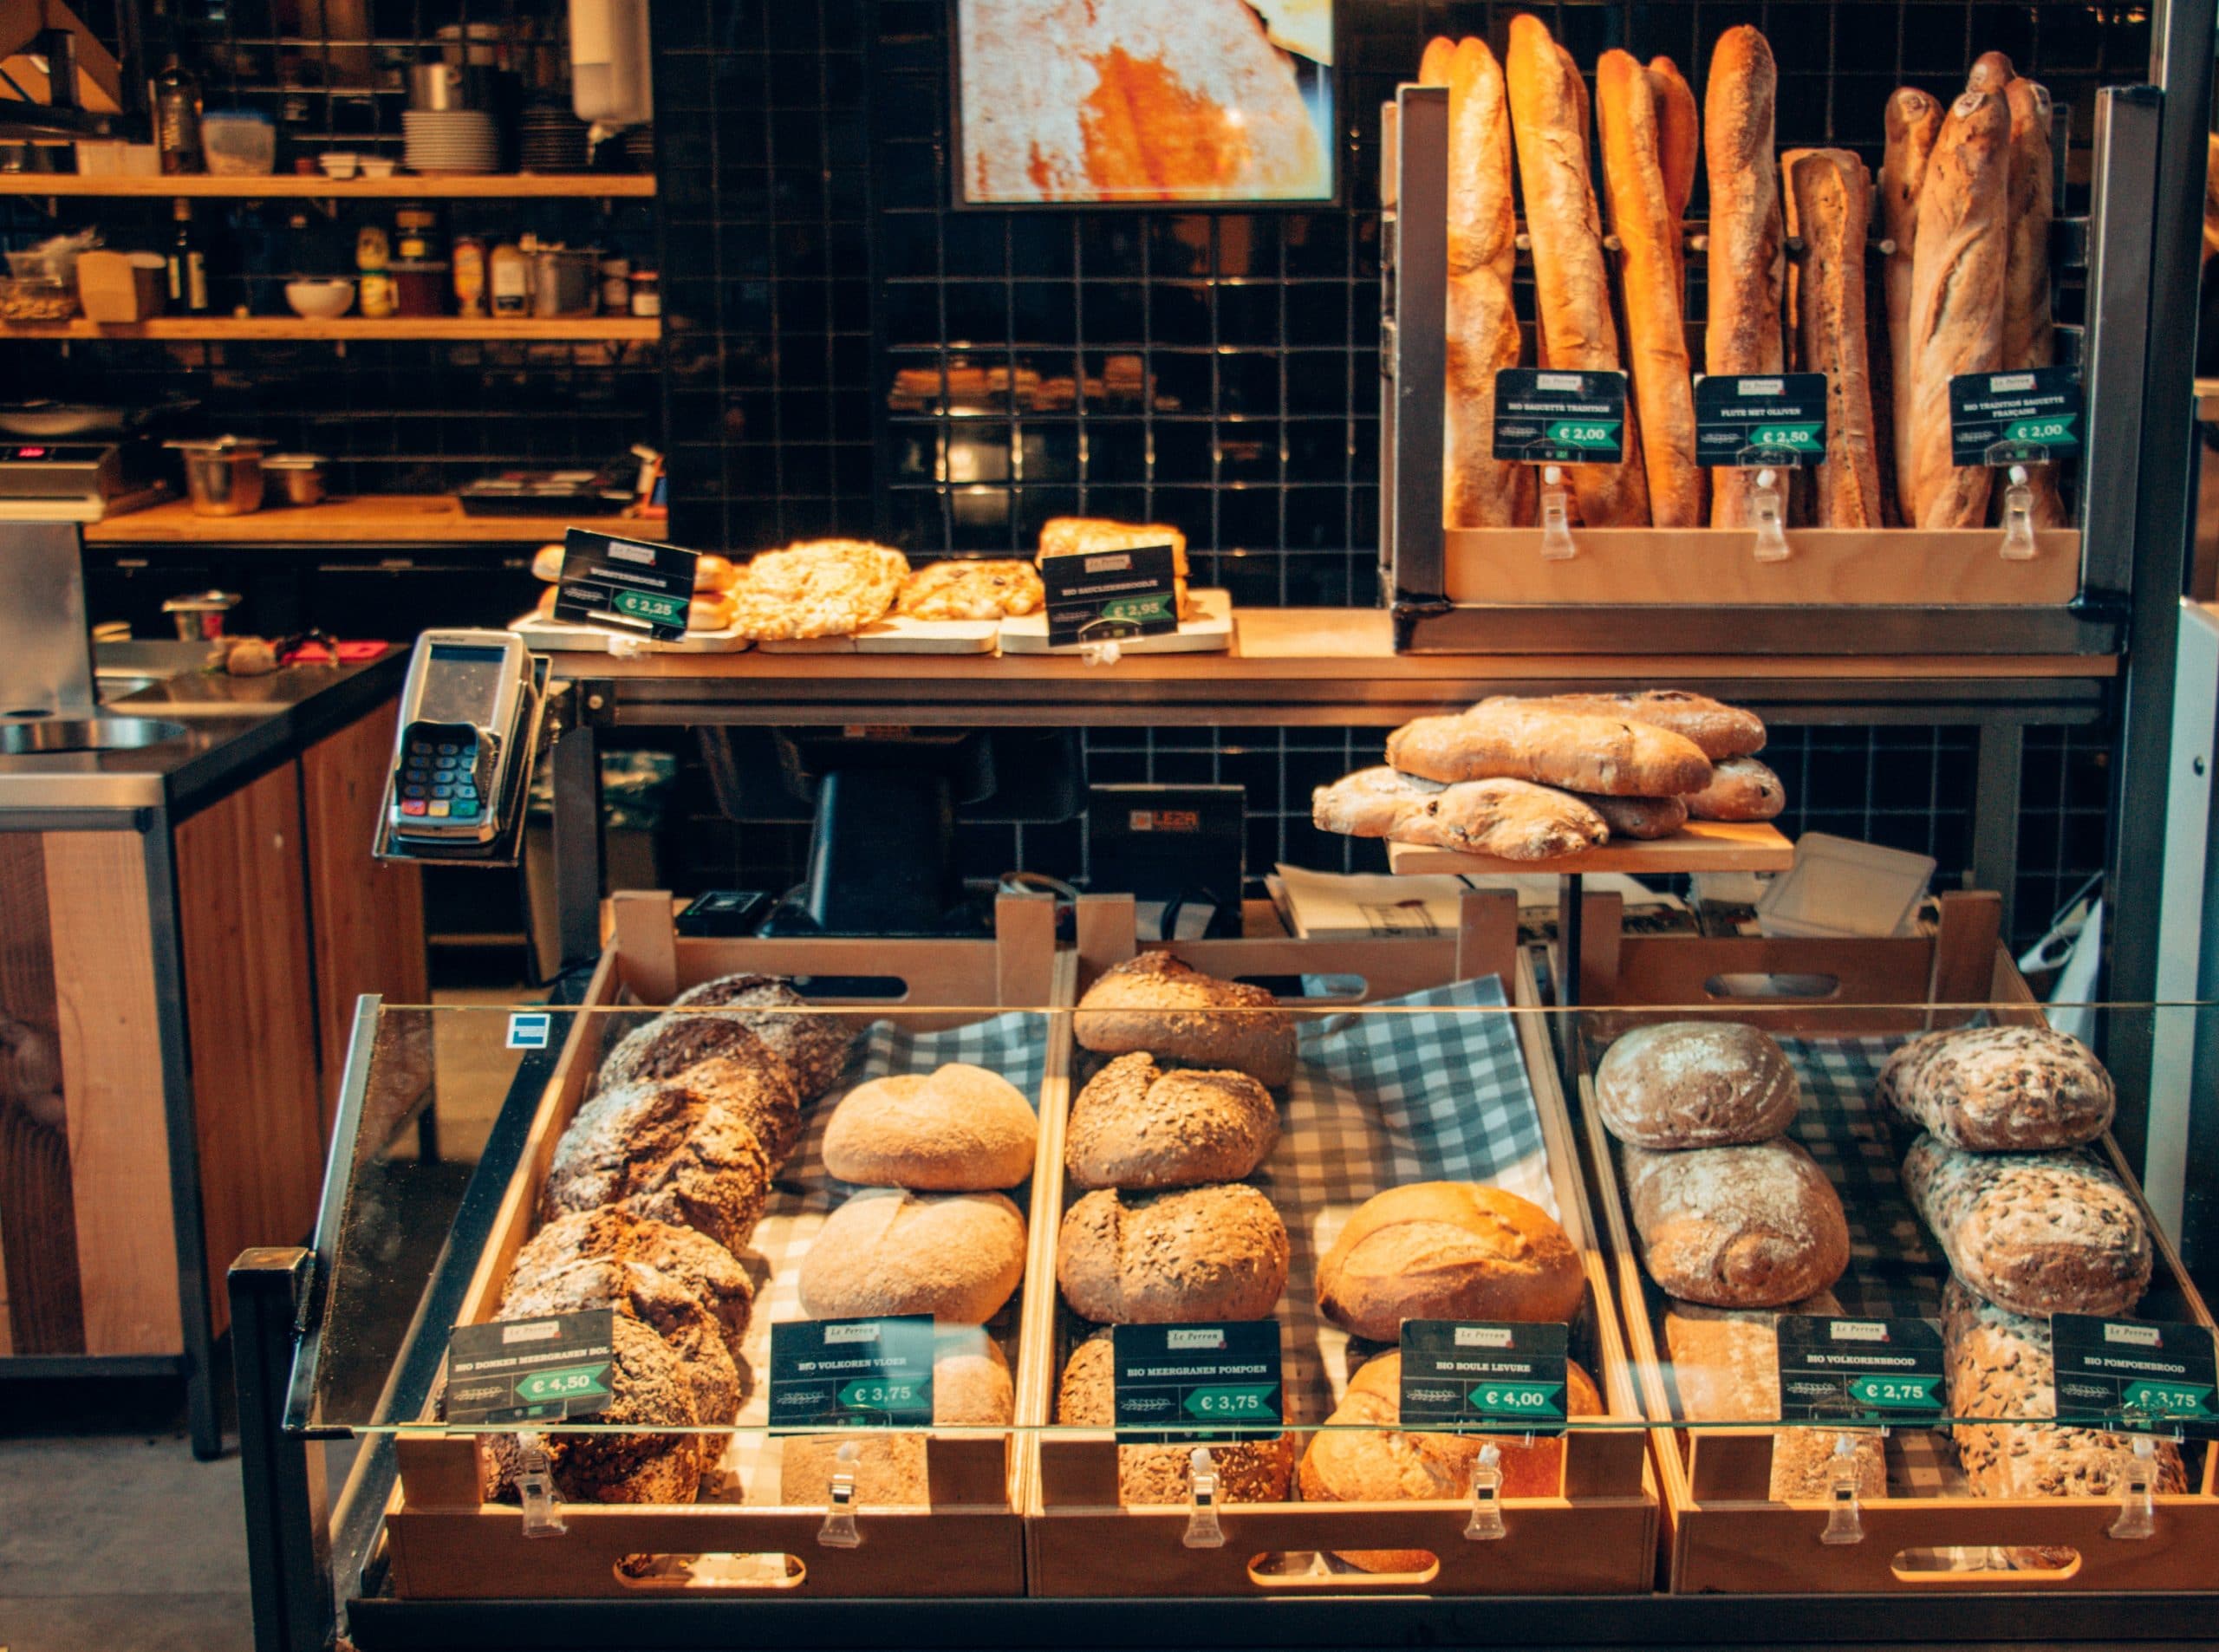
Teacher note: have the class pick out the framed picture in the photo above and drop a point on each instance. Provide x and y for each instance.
(1144, 102)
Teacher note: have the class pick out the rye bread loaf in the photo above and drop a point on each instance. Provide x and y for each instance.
(2038, 1233)
(1254, 1470)
(1136, 1127)
(1755, 1227)
(1510, 820)
(667, 1152)
(2000, 1089)
(1716, 728)
(1678, 1084)
(1533, 740)
(1448, 1250)
(954, 1255)
(1740, 788)
(971, 1390)
(697, 1262)
(648, 1389)
(1159, 1003)
(959, 1129)
(813, 1044)
(1191, 1253)
(1638, 817)
(747, 1075)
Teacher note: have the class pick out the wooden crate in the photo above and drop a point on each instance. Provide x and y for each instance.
(446, 1543)
(1598, 1538)
(1722, 1532)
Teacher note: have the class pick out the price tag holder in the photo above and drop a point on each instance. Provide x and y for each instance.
(1775, 421)
(1110, 595)
(852, 1373)
(634, 587)
(1187, 1384)
(1544, 417)
(2135, 1372)
(530, 1373)
(1876, 1372)
(1476, 1376)
(2029, 417)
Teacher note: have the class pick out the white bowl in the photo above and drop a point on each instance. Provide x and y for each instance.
(340, 163)
(378, 166)
(320, 301)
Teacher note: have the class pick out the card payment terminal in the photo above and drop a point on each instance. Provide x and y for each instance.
(469, 716)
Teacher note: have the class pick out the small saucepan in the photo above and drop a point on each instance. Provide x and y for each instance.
(222, 477)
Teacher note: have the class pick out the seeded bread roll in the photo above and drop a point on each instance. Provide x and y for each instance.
(1193, 1253)
(971, 1389)
(1584, 752)
(697, 1262)
(1740, 788)
(1694, 1084)
(1448, 1250)
(959, 1129)
(1512, 820)
(667, 1152)
(1251, 1470)
(954, 1255)
(2038, 1233)
(1638, 817)
(1136, 1127)
(1716, 728)
(2000, 1089)
(748, 1076)
(1158, 1004)
(1756, 1226)
(648, 1389)
(814, 1046)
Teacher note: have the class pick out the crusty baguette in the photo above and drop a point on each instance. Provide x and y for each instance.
(1433, 67)
(1718, 730)
(1991, 72)
(1478, 489)
(1548, 112)
(1747, 239)
(1914, 121)
(1638, 817)
(1656, 332)
(1579, 751)
(1829, 195)
(2029, 338)
(1680, 143)
(1956, 301)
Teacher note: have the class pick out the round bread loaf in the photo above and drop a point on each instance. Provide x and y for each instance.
(814, 1044)
(1136, 1127)
(647, 1390)
(2000, 1089)
(959, 1129)
(1756, 1226)
(954, 1255)
(1740, 788)
(747, 1074)
(971, 1389)
(1694, 1084)
(697, 1262)
(1158, 1003)
(1258, 1470)
(1193, 1253)
(667, 1152)
(1448, 1250)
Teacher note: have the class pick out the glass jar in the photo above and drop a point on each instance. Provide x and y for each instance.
(647, 292)
(615, 285)
(420, 287)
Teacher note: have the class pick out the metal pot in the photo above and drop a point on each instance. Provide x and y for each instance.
(300, 474)
(222, 477)
(441, 87)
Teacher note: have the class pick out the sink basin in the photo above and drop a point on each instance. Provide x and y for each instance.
(86, 734)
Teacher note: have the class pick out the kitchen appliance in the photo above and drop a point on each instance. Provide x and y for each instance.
(223, 476)
(470, 722)
(70, 462)
(551, 493)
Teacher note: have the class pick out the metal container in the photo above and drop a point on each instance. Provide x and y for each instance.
(565, 281)
(442, 87)
(300, 475)
(198, 615)
(222, 477)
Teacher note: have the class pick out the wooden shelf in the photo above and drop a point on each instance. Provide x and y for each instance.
(1699, 846)
(291, 187)
(393, 519)
(233, 329)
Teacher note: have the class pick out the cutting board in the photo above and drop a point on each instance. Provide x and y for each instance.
(562, 636)
(898, 634)
(1209, 632)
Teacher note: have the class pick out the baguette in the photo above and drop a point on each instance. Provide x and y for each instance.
(1581, 750)
(1479, 490)
(1718, 730)
(1747, 239)
(1914, 121)
(1656, 332)
(1548, 112)
(1991, 73)
(1433, 67)
(2029, 339)
(1740, 788)
(1829, 195)
(1956, 301)
(1680, 144)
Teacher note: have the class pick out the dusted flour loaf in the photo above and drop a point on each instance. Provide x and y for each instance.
(665, 1151)
(747, 1076)
(648, 1389)
(1448, 1250)
(2038, 1233)
(1156, 1002)
(1136, 1127)
(1248, 1470)
(2000, 1089)
(971, 1390)
(1756, 1226)
(1740, 788)
(958, 1130)
(1193, 1253)
(1512, 820)
(1518, 739)
(697, 1262)
(1718, 730)
(954, 1255)
(813, 1044)
(1694, 1084)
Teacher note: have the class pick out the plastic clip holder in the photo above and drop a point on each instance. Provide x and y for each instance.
(1102, 652)
(1767, 512)
(2137, 1500)
(1556, 515)
(838, 1530)
(1485, 1524)
(2018, 518)
(1844, 1520)
(542, 1510)
(1203, 1531)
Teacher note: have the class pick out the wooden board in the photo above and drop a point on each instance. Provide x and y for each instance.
(365, 519)
(1715, 568)
(1699, 846)
(1209, 632)
(42, 1310)
(409, 186)
(564, 636)
(898, 634)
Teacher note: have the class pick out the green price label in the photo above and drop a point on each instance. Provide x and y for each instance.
(1601, 433)
(882, 1394)
(654, 606)
(1897, 1393)
(2049, 430)
(2167, 1399)
(1517, 1399)
(1221, 1403)
(1793, 439)
(571, 1383)
(1139, 609)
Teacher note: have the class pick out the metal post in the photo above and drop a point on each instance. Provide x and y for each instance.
(1413, 354)
(577, 836)
(288, 1534)
(1995, 813)
(2122, 186)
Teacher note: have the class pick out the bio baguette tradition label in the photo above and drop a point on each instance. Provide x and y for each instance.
(1776, 421)
(1469, 1376)
(1860, 1370)
(530, 1372)
(852, 1373)
(2130, 1373)
(1544, 417)
(2027, 417)
(633, 587)
(1190, 1384)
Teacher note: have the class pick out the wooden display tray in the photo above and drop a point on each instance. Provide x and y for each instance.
(1598, 1538)
(446, 1543)
(1722, 1535)
(546, 635)
(1209, 630)
(1699, 846)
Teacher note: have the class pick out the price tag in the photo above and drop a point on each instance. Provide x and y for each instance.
(1468, 1376)
(1870, 1371)
(852, 1373)
(633, 586)
(2130, 1372)
(1543, 417)
(1188, 1383)
(1108, 595)
(1776, 421)
(2027, 417)
(533, 1373)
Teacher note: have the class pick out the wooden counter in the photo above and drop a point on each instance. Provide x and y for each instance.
(368, 519)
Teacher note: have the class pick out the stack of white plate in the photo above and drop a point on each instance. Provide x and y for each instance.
(451, 141)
